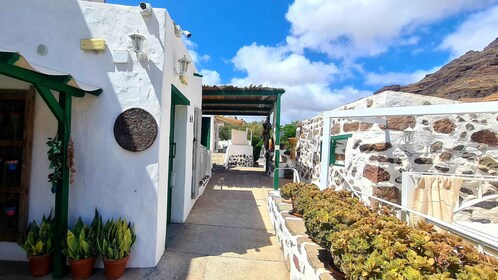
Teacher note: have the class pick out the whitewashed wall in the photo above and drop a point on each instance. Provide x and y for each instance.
(118, 182)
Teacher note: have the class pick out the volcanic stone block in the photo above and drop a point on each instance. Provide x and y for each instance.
(398, 123)
(378, 147)
(376, 173)
(423, 161)
(436, 146)
(445, 126)
(353, 126)
(485, 137)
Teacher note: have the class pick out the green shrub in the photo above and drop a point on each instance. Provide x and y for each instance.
(288, 191)
(373, 244)
(305, 198)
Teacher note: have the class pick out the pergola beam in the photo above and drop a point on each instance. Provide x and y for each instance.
(237, 102)
(242, 92)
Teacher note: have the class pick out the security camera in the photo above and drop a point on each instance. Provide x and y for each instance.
(146, 9)
(187, 33)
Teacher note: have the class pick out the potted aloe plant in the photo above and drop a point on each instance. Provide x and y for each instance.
(80, 246)
(114, 244)
(38, 246)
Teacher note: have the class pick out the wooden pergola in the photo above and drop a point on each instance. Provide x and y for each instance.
(246, 101)
(45, 81)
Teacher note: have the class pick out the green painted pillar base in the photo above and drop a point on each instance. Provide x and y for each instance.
(276, 172)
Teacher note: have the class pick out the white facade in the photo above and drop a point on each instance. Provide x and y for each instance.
(118, 182)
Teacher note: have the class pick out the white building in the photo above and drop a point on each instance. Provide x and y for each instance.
(120, 183)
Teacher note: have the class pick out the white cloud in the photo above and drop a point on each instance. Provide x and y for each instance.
(355, 28)
(475, 33)
(397, 78)
(196, 57)
(305, 101)
(306, 82)
(210, 77)
(276, 65)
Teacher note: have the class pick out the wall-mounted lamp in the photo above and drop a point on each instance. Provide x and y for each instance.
(408, 135)
(137, 41)
(184, 62)
(179, 31)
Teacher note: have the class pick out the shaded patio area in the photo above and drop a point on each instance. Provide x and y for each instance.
(228, 235)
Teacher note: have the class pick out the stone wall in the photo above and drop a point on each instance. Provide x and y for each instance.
(376, 155)
(306, 259)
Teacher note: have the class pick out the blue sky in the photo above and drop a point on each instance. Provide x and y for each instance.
(327, 53)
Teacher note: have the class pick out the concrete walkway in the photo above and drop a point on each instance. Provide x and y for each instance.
(228, 235)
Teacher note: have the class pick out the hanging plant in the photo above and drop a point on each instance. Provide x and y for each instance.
(70, 160)
(55, 157)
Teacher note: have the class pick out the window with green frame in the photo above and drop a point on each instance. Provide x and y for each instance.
(338, 149)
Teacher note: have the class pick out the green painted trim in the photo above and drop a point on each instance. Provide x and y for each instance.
(242, 92)
(333, 141)
(198, 75)
(57, 83)
(177, 97)
(341, 137)
(277, 142)
(206, 132)
(51, 102)
(62, 193)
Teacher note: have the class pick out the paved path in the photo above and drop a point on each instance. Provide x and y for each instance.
(228, 235)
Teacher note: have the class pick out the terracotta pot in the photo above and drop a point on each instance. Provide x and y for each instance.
(114, 269)
(40, 265)
(82, 269)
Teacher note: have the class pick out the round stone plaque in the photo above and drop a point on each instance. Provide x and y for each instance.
(135, 130)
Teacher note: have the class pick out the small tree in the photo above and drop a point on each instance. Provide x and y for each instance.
(289, 131)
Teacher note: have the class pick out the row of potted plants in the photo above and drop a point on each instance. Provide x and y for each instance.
(82, 245)
(370, 243)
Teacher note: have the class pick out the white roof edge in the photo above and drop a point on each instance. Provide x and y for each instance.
(443, 109)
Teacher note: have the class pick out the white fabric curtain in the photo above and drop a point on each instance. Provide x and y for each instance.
(437, 196)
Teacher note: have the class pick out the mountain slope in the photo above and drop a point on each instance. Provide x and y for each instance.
(471, 77)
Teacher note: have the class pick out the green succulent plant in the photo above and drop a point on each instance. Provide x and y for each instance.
(115, 239)
(39, 239)
(370, 243)
(81, 241)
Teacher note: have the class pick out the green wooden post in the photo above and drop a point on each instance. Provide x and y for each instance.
(62, 193)
(277, 143)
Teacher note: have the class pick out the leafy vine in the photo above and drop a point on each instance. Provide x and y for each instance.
(55, 157)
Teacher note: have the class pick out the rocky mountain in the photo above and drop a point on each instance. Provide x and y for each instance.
(471, 77)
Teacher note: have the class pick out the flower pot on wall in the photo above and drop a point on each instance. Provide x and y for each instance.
(82, 269)
(113, 269)
(40, 265)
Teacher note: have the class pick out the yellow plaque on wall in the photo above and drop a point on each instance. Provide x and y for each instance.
(92, 44)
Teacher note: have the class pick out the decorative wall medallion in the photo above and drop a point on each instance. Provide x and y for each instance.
(135, 130)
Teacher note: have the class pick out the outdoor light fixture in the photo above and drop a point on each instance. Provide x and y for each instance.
(184, 62)
(179, 31)
(408, 135)
(137, 41)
